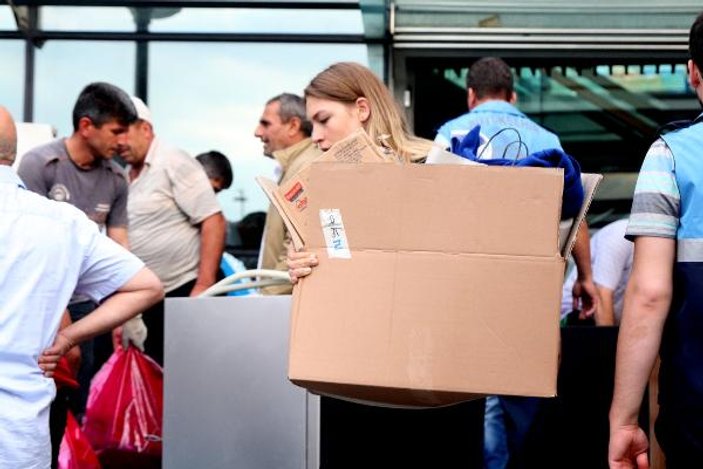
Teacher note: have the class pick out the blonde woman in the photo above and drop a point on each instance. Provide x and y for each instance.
(348, 96)
(341, 99)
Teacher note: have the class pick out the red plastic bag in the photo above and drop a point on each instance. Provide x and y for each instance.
(64, 376)
(124, 413)
(75, 451)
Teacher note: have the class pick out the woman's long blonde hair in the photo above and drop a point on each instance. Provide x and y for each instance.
(348, 81)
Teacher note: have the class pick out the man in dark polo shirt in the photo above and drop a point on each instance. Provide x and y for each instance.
(78, 170)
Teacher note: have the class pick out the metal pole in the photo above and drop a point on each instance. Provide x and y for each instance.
(142, 17)
(29, 65)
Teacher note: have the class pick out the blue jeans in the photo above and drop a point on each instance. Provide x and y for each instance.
(495, 445)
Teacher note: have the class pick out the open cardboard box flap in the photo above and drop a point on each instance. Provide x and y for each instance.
(291, 197)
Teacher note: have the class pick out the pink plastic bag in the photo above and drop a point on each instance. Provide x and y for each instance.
(75, 451)
(124, 413)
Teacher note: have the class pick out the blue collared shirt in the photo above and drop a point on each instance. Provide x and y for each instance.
(505, 131)
(48, 249)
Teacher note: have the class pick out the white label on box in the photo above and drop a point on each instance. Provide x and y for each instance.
(333, 231)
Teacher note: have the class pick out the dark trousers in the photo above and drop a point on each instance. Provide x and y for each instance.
(680, 437)
(57, 423)
(86, 371)
(358, 436)
(154, 321)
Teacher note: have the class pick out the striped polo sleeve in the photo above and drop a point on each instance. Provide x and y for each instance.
(655, 204)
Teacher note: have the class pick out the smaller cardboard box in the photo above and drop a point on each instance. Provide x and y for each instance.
(291, 198)
(436, 284)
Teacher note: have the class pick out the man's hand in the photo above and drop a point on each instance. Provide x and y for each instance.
(300, 264)
(586, 297)
(628, 448)
(51, 356)
(584, 288)
(198, 288)
(132, 332)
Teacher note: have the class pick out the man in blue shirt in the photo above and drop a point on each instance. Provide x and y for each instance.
(505, 132)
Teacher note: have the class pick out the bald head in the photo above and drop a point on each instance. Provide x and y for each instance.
(8, 138)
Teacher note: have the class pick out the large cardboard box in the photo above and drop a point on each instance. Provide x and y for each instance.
(436, 284)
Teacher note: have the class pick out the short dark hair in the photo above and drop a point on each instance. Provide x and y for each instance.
(217, 166)
(490, 77)
(102, 102)
(292, 105)
(695, 42)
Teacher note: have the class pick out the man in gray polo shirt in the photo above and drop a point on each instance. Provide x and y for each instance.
(78, 170)
(175, 221)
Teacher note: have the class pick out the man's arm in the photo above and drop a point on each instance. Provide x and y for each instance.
(647, 302)
(119, 235)
(584, 288)
(212, 243)
(137, 294)
(610, 268)
(117, 218)
(606, 312)
(32, 172)
(73, 356)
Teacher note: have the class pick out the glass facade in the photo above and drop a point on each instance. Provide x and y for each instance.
(213, 101)
(205, 94)
(546, 14)
(7, 20)
(248, 20)
(606, 114)
(56, 18)
(614, 108)
(63, 68)
(604, 76)
(12, 76)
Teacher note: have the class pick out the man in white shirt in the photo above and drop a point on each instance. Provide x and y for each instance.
(611, 258)
(50, 249)
(175, 221)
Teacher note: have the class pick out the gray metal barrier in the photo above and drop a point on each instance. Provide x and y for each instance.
(227, 400)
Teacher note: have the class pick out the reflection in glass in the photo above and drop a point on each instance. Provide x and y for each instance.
(63, 68)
